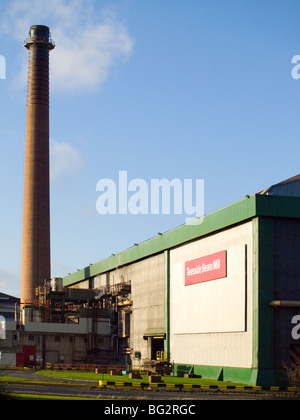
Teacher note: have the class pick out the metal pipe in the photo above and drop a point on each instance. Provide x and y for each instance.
(285, 303)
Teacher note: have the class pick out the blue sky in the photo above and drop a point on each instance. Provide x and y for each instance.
(194, 89)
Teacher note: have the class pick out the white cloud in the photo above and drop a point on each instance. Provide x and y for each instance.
(86, 59)
(88, 43)
(64, 161)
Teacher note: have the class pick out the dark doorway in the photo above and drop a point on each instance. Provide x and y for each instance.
(157, 344)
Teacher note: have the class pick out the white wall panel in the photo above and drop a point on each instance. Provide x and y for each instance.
(211, 322)
(213, 306)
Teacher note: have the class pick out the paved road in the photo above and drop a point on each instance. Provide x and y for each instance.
(79, 391)
(90, 389)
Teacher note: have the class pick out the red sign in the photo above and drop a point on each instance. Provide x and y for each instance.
(210, 267)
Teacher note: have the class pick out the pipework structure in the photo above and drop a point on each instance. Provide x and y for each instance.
(36, 206)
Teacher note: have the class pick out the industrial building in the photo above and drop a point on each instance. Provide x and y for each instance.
(214, 297)
(217, 297)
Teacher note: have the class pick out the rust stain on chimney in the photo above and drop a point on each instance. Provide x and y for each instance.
(36, 207)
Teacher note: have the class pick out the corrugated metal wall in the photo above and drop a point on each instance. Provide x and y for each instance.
(286, 285)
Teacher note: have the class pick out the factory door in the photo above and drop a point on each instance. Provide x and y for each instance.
(29, 359)
(157, 345)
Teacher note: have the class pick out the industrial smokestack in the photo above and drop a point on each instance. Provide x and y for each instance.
(36, 207)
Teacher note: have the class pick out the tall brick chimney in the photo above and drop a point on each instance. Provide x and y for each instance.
(36, 206)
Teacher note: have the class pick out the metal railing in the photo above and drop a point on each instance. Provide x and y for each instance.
(162, 356)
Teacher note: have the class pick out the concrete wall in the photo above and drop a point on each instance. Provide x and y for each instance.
(83, 327)
(68, 343)
(211, 322)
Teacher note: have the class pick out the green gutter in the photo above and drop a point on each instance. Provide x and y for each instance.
(232, 214)
(247, 208)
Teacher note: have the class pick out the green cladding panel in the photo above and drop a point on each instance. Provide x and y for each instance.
(262, 348)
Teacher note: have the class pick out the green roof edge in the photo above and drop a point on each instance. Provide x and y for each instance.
(256, 205)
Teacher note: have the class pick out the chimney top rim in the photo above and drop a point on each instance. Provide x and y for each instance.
(39, 26)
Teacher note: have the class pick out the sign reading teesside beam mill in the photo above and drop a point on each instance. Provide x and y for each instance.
(210, 267)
